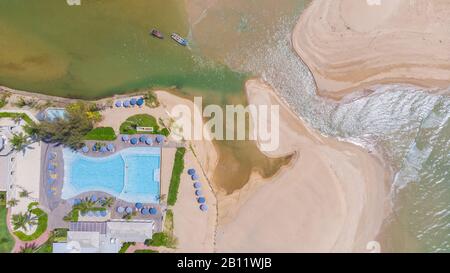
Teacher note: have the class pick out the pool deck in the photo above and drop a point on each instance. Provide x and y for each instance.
(58, 207)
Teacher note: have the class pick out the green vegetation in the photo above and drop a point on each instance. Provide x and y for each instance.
(29, 248)
(150, 99)
(34, 216)
(6, 239)
(17, 116)
(56, 236)
(22, 102)
(161, 239)
(19, 142)
(177, 170)
(165, 238)
(72, 216)
(125, 246)
(72, 130)
(101, 134)
(129, 127)
(13, 202)
(87, 205)
(4, 99)
(145, 251)
(2, 198)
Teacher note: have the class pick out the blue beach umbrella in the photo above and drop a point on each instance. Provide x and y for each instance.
(77, 202)
(103, 213)
(144, 211)
(90, 213)
(191, 171)
(128, 210)
(126, 104)
(140, 102)
(159, 138)
(94, 148)
(51, 167)
(134, 141)
(51, 156)
(152, 211)
(110, 147)
(197, 185)
(143, 138)
(94, 198)
(125, 138)
(118, 104)
(98, 213)
(138, 205)
(201, 200)
(103, 149)
(85, 149)
(83, 213)
(133, 102)
(149, 141)
(203, 207)
(50, 180)
(195, 177)
(198, 192)
(120, 209)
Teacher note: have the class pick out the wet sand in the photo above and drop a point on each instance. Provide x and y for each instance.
(349, 44)
(331, 198)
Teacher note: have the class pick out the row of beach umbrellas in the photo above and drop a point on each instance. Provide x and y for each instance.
(96, 213)
(198, 192)
(103, 149)
(130, 103)
(142, 139)
(140, 207)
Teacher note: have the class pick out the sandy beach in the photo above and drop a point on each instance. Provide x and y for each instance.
(193, 228)
(331, 198)
(349, 43)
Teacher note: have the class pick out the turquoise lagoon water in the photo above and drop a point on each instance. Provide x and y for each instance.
(131, 175)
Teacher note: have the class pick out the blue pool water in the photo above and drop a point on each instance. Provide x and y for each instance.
(131, 174)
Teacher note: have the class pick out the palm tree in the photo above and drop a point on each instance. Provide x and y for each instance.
(23, 220)
(86, 205)
(161, 198)
(108, 202)
(13, 202)
(28, 248)
(19, 141)
(24, 194)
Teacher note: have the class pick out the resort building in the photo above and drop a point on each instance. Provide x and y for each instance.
(104, 237)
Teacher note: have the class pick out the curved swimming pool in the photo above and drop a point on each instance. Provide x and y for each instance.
(131, 174)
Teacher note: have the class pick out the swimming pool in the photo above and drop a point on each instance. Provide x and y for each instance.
(131, 174)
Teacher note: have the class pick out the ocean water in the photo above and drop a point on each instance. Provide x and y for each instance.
(408, 126)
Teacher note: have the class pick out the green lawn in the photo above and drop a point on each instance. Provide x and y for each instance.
(25, 117)
(143, 120)
(178, 167)
(41, 228)
(6, 239)
(101, 134)
(145, 251)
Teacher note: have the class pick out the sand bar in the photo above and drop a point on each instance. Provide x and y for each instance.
(330, 199)
(350, 43)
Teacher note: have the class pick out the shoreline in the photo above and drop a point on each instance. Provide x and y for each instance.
(345, 52)
(337, 190)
